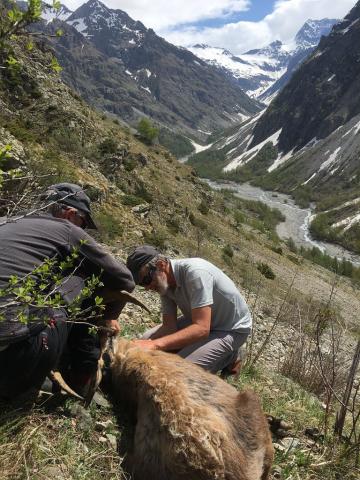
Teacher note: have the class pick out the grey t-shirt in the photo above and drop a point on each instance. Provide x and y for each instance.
(200, 283)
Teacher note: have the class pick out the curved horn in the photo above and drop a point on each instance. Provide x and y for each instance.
(131, 299)
(56, 376)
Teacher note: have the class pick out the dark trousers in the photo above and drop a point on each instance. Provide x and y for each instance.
(25, 364)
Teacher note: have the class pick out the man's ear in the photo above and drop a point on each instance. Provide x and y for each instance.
(162, 265)
(69, 213)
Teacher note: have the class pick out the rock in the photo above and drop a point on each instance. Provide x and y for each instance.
(112, 440)
(102, 426)
(53, 471)
(142, 159)
(290, 443)
(143, 208)
(82, 415)
(16, 155)
(100, 400)
(277, 472)
(279, 447)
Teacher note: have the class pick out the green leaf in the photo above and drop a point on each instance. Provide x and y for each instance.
(56, 5)
(55, 65)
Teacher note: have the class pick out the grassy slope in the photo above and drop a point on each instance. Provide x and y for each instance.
(60, 134)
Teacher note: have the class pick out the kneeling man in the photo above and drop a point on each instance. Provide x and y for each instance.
(215, 319)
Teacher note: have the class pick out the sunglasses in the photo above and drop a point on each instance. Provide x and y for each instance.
(148, 278)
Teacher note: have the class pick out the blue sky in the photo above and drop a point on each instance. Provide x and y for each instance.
(238, 25)
(257, 11)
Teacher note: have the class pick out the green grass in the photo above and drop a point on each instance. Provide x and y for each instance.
(44, 443)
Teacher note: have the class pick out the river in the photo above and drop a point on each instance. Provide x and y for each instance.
(296, 224)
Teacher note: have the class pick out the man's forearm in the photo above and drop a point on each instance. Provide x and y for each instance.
(187, 336)
(163, 331)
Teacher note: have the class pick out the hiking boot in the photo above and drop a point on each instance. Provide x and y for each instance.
(233, 368)
(50, 387)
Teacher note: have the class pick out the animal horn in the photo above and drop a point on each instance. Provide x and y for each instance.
(128, 297)
(56, 376)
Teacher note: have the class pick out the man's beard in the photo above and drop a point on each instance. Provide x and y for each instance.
(162, 285)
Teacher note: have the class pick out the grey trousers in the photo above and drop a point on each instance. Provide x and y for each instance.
(215, 352)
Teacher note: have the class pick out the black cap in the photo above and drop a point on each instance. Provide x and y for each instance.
(140, 256)
(73, 196)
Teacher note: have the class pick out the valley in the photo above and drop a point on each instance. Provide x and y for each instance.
(297, 220)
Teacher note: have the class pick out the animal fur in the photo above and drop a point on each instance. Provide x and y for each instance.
(190, 424)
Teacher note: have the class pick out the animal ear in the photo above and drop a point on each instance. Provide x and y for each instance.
(120, 347)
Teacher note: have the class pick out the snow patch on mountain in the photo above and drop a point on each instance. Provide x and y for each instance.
(347, 222)
(330, 160)
(80, 25)
(280, 160)
(49, 13)
(250, 154)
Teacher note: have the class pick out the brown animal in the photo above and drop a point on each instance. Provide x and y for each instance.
(120, 298)
(190, 424)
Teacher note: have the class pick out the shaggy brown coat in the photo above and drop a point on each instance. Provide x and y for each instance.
(190, 424)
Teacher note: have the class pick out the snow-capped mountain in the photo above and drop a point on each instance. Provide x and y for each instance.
(256, 71)
(308, 140)
(121, 66)
(115, 27)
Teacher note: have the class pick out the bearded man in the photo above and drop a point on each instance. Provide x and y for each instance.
(215, 320)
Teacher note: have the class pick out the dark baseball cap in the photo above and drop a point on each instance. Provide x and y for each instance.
(73, 196)
(140, 256)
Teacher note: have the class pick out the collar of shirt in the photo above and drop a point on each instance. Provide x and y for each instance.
(176, 271)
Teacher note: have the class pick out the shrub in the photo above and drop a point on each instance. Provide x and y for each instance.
(147, 131)
(109, 145)
(266, 270)
(157, 238)
(129, 164)
(197, 222)
(293, 259)
(130, 200)
(174, 225)
(227, 254)
(291, 245)
(109, 226)
(177, 144)
(277, 249)
(203, 207)
(228, 251)
(239, 217)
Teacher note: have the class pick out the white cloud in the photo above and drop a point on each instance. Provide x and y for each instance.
(169, 18)
(161, 14)
(282, 24)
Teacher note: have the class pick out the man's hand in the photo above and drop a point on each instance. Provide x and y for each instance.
(145, 344)
(114, 326)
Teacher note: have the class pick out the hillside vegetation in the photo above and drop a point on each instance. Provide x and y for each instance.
(142, 194)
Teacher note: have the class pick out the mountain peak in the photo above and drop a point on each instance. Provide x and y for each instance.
(95, 19)
(96, 4)
(311, 32)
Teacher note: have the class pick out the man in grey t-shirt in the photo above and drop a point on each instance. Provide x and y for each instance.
(215, 319)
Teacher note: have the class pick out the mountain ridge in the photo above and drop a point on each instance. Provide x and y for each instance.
(257, 70)
(137, 73)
